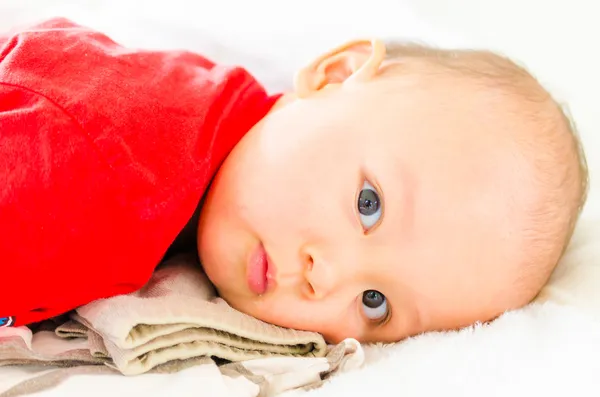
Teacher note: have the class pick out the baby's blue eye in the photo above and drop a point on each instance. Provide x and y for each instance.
(369, 206)
(374, 305)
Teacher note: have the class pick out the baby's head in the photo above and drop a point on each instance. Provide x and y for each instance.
(394, 193)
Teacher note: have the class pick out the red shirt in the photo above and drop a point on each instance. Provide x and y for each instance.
(105, 153)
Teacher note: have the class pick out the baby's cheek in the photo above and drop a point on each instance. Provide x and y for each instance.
(308, 316)
(284, 312)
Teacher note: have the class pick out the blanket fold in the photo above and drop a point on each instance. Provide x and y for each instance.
(176, 321)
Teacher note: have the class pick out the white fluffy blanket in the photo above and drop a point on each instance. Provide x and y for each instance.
(548, 348)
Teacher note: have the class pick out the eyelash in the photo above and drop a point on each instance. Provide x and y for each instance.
(386, 319)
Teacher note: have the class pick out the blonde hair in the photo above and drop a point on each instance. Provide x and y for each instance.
(556, 152)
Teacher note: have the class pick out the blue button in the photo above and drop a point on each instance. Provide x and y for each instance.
(6, 321)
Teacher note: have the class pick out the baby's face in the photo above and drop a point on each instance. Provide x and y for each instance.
(376, 211)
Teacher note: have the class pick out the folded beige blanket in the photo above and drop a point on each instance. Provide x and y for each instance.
(177, 316)
(174, 322)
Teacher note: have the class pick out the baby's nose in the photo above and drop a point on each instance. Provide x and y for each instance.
(322, 276)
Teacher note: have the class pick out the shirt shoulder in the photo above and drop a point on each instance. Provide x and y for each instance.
(114, 148)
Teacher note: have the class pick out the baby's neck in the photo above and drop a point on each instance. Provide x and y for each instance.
(186, 240)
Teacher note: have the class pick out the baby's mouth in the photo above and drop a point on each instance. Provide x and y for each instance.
(260, 271)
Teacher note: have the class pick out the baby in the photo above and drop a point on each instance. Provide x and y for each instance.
(396, 190)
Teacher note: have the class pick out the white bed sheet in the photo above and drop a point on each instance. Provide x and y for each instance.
(548, 349)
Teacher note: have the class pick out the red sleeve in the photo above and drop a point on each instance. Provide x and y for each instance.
(105, 153)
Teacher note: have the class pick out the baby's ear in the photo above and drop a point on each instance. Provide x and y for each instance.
(356, 61)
